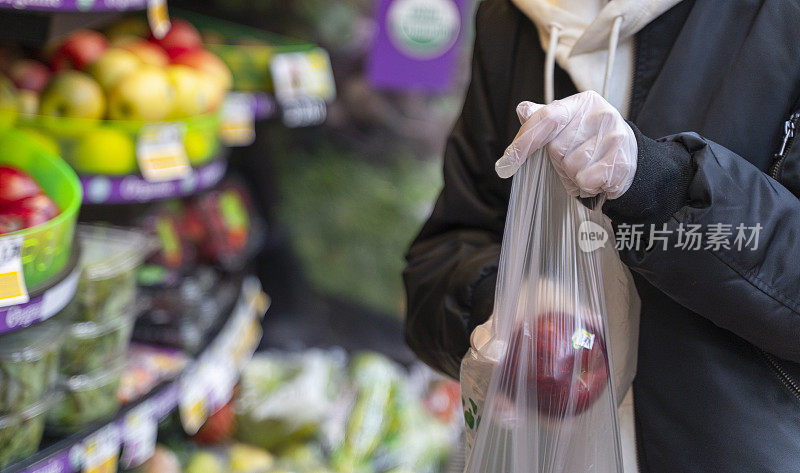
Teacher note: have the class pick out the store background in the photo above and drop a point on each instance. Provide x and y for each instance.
(336, 205)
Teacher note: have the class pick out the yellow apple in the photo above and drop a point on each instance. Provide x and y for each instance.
(191, 96)
(113, 65)
(73, 94)
(144, 95)
(105, 150)
(199, 146)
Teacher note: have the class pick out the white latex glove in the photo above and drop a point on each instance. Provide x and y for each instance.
(591, 146)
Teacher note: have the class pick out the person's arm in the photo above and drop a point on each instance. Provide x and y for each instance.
(452, 265)
(686, 179)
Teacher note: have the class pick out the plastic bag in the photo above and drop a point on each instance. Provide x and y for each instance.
(540, 384)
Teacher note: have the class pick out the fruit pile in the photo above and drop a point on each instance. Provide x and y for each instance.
(124, 77)
(90, 94)
(23, 203)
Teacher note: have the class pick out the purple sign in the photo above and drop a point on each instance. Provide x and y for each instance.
(75, 5)
(417, 43)
(41, 307)
(60, 462)
(135, 188)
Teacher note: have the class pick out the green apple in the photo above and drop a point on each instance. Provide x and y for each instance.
(105, 150)
(191, 97)
(9, 103)
(113, 65)
(73, 94)
(199, 146)
(144, 95)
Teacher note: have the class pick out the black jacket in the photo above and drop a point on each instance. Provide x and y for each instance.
(718, 383)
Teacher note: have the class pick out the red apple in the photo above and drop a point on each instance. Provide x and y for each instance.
(33, 210)
(80, 49)
(565, 376)
(10, 223)
(181, 34)
(16, 185)
(207, 62)
(28, 74)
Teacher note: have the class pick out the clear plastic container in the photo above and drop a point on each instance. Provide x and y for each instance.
(109, 258)
(86, 398)
(92, 346)
(28, 364)
(21, 432)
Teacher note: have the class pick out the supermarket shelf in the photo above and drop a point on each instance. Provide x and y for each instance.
(197, 392)
(45, 301)
(74, 5)
(134, 188)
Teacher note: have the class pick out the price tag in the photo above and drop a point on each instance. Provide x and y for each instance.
(193, 407)
(101, 450)
(139, 433)
(12, 280)
(303, 84)
(238, 120)
(158, 17)
(161, 153)
(303, 74)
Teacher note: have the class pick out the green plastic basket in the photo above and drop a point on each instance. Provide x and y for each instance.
(67, 135)
(47, 247)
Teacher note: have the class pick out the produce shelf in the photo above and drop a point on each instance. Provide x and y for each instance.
(45, 301)
(74, 5)
(198, 391)
(133, 188)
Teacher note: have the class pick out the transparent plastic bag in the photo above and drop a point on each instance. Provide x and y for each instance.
(542, 381)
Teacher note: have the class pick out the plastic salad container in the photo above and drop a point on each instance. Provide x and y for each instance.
(28, 365)
(21, 432)
(91, 346)
(87, 398)
(109, 258)
(47, 247)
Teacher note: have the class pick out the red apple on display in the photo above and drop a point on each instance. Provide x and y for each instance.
(567, 366)
(181, 34)
(33, 210)
(80, 49)
(10, 223)
(204, 61)
(16, 185)
(28, 74)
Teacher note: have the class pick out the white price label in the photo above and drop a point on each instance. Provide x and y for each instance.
(12, 280)
(303, 74)
(139, 433)
(161, 152)
(158, 17)
(238, 120)
(101, 451)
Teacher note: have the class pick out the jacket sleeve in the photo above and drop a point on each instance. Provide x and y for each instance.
(452, 264)
(749, 287)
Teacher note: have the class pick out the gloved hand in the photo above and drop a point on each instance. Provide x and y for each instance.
(591, 146)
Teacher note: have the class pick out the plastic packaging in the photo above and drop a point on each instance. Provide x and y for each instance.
(537, 386)
(91, 346)
(87, 398)
(21, 432)
(28, 365)
(110, 256)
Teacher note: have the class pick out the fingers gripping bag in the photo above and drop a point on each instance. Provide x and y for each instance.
(544, 376)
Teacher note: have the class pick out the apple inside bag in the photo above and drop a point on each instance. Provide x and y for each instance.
(544, 376)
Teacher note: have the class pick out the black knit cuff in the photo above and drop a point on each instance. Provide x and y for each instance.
(660, 186)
